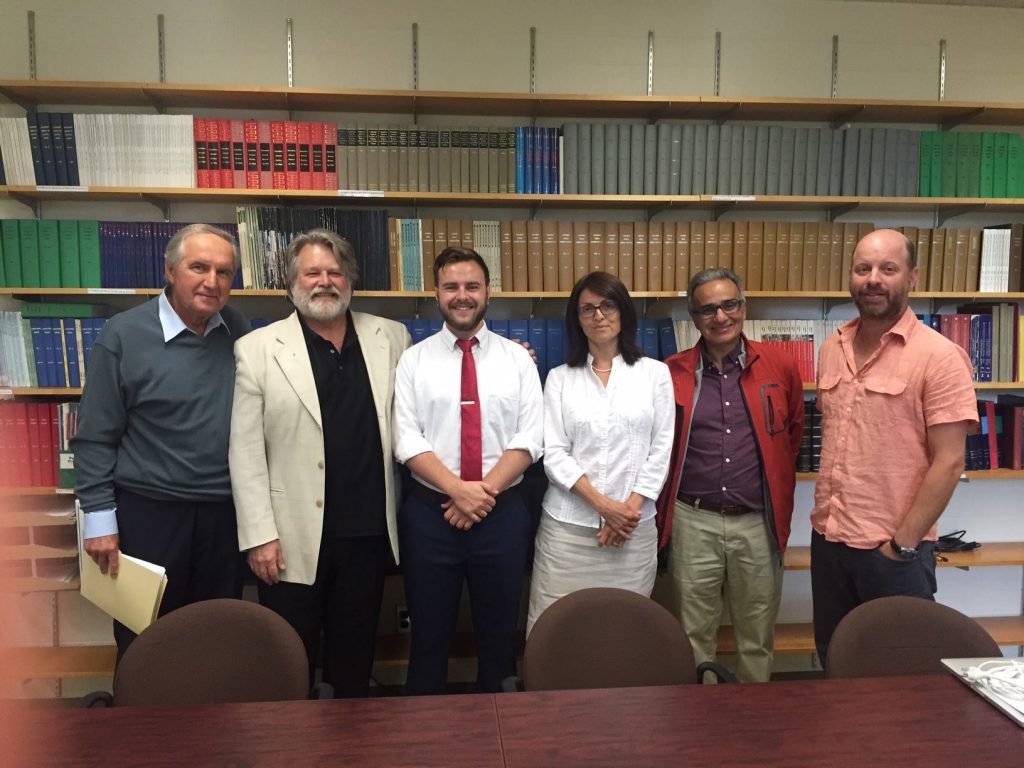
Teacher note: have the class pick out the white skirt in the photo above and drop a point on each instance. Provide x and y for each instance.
(567, 558)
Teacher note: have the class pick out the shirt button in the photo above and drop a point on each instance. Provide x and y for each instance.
(319, 503)
(849, 409)
(724, 488)
(727, 461)
(728, 431)
(320, 465)
(726, 402)
(856, 381)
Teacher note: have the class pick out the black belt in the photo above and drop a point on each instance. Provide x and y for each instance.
(722, 509)
(429, 496)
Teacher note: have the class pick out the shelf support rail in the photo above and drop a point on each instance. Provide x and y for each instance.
(161, 49)
(32, 45)
(415, 60)
(942, 69)
(533, 59)
(718, 63)
(650, 62)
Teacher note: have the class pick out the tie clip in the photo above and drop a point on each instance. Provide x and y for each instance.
(469, 402)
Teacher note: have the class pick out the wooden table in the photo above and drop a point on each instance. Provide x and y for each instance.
(901, 722)
(868, 723)
(448, 731)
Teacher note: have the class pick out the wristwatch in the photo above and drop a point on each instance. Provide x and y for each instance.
(903, 553)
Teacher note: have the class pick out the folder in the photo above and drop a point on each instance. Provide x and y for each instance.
(132, 597)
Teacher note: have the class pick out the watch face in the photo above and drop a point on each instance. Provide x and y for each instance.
(904, 553)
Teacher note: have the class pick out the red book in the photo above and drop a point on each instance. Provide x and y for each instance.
(213, 152)
(250, 133)
(8, 446)
(53, 450)
(291, 155)
(202, 167)
(317, 149)
(304, 134)
(227, 175)
(330, 156)
(237, 154)
(265, 162)
(987, 410)
(277, 150)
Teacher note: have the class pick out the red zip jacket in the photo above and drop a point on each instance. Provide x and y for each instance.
(773, 396)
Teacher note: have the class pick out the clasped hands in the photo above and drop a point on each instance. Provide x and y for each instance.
(620, 520)
(470, 503)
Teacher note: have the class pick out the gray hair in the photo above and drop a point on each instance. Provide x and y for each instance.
(709, 276)
(342, 249)
(174, 251)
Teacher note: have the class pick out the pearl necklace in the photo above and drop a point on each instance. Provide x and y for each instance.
(600, 370)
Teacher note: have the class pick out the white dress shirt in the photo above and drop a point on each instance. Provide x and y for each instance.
(619, 436)
(428, 400)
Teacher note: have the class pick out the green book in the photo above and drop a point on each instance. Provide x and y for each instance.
(28, 234)
(12, 252)
(986, 174)
(949, 154)
(1002, 141)
(936, 162)
(924, 167)
(89, 250)
(1013, 155)
(49, 254)
(63, 309)
(70, 266)
(963, 165)
(973, 166)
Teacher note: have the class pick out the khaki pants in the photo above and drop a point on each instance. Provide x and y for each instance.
(729, 560)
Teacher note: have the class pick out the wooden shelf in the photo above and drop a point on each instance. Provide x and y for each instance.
(36, 518)
(36, 552)
(1003, 553)
(989, 474)
(36, 491)
(6, 392)
(799, 638)
(33, 93)
(24, 584)
(58, 662)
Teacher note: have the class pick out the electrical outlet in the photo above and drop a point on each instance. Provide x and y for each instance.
(402, 620)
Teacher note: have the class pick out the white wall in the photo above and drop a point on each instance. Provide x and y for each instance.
(769, 48)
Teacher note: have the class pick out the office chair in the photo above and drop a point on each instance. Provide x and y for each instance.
(210, 652)
(903, 636)
(609, 638)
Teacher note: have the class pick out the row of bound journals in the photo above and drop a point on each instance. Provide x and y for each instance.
(666, 158)
(35, 451)
(46, 352)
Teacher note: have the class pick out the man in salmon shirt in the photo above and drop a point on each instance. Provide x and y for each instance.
(897, 401)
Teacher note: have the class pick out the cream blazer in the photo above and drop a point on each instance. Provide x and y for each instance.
(276, 453)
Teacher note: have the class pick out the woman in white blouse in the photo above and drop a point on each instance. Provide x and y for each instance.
(609, 415)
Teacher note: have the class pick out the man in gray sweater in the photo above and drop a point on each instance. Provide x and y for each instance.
(151, 452)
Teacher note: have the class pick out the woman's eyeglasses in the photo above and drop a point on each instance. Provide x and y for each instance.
(608, 309)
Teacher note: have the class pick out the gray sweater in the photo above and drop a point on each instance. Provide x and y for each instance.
(155, 417)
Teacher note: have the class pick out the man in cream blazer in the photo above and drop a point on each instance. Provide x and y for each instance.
(315, 500)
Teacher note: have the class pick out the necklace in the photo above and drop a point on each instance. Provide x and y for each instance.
(600, 370)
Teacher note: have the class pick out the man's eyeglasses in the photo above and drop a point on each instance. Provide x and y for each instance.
(729, 307)
(608, 309)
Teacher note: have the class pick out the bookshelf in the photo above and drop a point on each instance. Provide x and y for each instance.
(791, 638)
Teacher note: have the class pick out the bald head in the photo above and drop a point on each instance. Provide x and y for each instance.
(889, 241)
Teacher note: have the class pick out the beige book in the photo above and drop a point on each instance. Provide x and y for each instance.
(836, 278)
(506, 256)
(668, 256)
(565, 278)
(755, 254)
(519, 268)
(611, 248)
(534, 256)
(580, 250)
(725, 244)
(596, 246)
(626, 254)
(640, 247)
(655, 254)
(769, 255)
(549, 254)
(696, 248)
(132, 597)
(682, 279)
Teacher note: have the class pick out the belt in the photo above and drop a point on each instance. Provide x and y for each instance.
(722, 509)
(429, 496)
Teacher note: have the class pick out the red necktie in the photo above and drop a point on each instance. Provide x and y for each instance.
(472, 451)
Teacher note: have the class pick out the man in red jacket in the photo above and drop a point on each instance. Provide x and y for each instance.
(729, 499)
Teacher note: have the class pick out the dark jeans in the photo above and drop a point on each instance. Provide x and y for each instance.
(196, 541)
(344, 601)
(436, 560)
(843, 577)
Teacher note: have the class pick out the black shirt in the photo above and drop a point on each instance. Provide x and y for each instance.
(355, 499)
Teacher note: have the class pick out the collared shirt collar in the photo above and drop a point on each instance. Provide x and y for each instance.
(738, 356)
(903, 327)
(483, 336)
(312, 336)
(173, 325)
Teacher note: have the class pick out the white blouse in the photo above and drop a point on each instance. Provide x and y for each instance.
(619, 436)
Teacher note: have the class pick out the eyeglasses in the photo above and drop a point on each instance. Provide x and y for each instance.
(729, 307)
(608, 309)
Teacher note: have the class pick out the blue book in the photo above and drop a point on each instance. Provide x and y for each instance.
(975, 347)
(70, 147)
(985, 342)
(434, 325)
(32, 118)
(71, 351)
(42, 370)
(60, 165)
(543, 171)
(556, 344)
(520, 162)
(539, 341)
(528, 163)
(519, 330)
(498, 327)
(556, 162)
(408, 325)
(649, 336)
(58, 373)
(666, 339)
(46, 148)
(420, 330)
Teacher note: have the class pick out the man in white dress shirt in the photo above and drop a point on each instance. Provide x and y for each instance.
(467, 429)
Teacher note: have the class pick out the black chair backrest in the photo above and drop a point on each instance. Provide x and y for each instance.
(903, 636)
(606, 638)
(211, 652)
